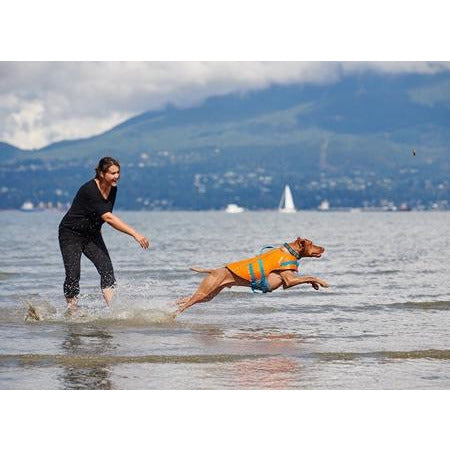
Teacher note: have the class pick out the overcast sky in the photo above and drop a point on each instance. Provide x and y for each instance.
(43, 102)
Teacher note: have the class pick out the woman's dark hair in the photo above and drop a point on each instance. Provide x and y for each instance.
(104, 164)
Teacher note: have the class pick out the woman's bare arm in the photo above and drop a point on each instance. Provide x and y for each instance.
(120, 225)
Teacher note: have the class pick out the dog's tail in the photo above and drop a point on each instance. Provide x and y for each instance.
(199, 270)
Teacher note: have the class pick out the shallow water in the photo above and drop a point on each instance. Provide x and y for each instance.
(383, 323)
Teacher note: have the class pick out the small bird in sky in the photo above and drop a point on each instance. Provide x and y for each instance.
(413, 152)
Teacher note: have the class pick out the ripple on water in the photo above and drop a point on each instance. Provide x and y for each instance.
(393, 354)
(442, 305)
(7, 275)
(88, 360)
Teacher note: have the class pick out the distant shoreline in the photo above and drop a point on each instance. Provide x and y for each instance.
(298, 212)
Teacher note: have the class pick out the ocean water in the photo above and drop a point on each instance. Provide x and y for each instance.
(383, 323)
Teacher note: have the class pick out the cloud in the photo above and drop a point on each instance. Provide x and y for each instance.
(43, 102)
(434, 94)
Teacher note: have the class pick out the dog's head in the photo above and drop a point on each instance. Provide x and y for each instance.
(306, 248)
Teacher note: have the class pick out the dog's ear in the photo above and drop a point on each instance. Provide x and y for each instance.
(300, 242)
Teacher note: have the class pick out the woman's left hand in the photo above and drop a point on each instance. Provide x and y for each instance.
(143, 241)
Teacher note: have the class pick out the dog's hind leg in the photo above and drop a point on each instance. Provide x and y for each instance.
(208, 289)
(198, 297)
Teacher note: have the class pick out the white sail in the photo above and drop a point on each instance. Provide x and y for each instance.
(287, 202)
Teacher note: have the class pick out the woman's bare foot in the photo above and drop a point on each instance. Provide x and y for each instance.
(72, 304)
(108, 294)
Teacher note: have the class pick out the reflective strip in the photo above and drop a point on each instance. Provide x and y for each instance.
(289, 263)
(252, 275)
(264, 286)
(258, 284)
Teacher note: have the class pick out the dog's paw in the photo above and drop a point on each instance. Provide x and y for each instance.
(182, 301)
(316, 284)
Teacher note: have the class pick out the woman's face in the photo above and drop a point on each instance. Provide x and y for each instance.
(111, 176)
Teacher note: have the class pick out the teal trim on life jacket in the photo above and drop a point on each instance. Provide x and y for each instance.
(264, 286)
(290, 263)
(261, 284)
(252, 275)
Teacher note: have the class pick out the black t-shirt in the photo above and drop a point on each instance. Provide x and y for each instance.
(84, 216)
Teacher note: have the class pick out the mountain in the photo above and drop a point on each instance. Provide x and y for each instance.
(351, 143)
(8, 152)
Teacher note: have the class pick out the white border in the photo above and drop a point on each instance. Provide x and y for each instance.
(176, 30)
(223, 419)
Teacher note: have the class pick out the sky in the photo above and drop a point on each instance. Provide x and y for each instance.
(44, 102)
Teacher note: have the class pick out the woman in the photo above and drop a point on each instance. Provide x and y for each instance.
(80, 231)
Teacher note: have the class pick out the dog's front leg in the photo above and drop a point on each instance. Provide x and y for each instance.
(290, 280)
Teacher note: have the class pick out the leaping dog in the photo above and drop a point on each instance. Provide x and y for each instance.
(266, 272)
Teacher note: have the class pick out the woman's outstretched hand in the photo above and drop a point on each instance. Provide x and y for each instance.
(120, 225)
(143, 241)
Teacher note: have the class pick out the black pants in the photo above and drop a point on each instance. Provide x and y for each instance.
(93, 247)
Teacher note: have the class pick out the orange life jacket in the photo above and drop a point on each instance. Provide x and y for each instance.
(257, 269)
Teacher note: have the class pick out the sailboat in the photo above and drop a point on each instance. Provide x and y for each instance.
(232, 208)
(287, 202)
(27, 206)
(324, 205)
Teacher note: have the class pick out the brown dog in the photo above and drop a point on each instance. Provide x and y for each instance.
(265, 272)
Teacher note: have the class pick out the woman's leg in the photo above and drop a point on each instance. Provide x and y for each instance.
(97, 252)
(71, 246)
